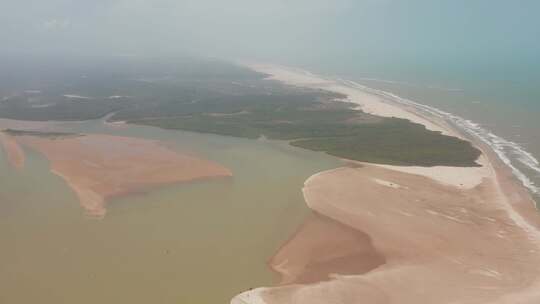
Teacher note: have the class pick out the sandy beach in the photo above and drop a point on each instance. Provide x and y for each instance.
(407, 234)
(101, 167)
(368, 103)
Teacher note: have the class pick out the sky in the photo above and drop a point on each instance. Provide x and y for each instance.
(277, 30)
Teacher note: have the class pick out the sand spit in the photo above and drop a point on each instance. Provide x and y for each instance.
(14, 152)
(101, 167)
(441, 244)
(445, 234)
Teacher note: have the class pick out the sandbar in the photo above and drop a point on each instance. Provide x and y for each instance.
(13, 150)
(101, 167)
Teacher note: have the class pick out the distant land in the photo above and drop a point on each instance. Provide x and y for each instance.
(347, 195)
(228, 99)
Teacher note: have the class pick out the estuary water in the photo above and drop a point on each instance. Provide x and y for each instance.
(201, 242)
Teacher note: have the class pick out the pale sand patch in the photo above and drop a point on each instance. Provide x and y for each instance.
(461, 177)
(101, 167)
(251, 296)
(388, 184)
(14, 152)
(447, 249)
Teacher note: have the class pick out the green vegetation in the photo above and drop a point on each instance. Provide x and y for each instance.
(342, 133)
(396, 142)
(215, 97)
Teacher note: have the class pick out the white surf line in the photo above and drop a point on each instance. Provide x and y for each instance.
(253, 296)
(532, 232)
(502, 147)
(72, 96)
(409, 84)
(497, 145)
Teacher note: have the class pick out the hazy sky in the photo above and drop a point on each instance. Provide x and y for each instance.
(275, 29)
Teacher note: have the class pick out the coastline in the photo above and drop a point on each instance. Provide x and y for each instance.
(376, 105)
(385, 104)
(493, 196)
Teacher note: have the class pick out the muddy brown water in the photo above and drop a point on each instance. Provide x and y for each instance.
(201, 242)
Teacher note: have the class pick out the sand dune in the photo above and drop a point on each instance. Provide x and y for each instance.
(101, 167)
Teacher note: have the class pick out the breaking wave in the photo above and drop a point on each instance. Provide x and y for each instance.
(511, 153)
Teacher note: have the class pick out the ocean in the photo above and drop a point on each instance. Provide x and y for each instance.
(499, 104)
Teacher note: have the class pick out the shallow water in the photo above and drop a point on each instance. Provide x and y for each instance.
(201, 242)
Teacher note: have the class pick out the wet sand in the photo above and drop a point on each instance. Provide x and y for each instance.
(321, 248)
(14, 152)
(101, 167)
(446, 235)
